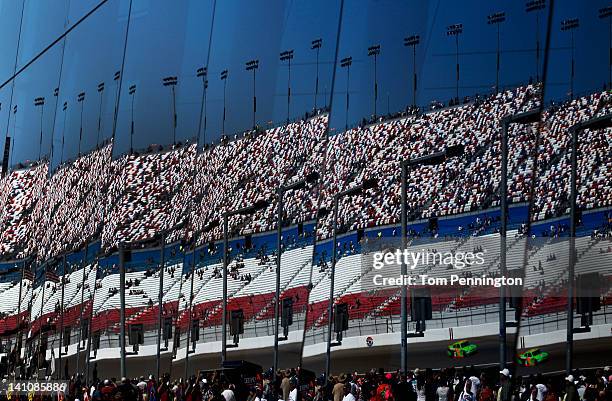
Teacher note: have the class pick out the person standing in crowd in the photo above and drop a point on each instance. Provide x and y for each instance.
(590, 393)
(348, 395)
(227, 392)
(293, 389)
(420, 388)
(127, 391)
(443, 392)
(384, 392)
(486, 392)
(504, 392)
(285, 385)
(338, 389)
(163, 390)
(571, 394)
(466, 394)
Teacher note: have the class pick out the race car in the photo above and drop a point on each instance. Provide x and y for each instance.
(461, 349)
(532, 357)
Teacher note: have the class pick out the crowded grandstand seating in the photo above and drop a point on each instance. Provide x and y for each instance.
(153, 191)
(183, 190)
(19, 192)
(69, 213)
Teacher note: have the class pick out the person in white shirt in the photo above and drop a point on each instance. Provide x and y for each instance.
(227, 393)
(293, 392)
(542, 391)
(348, 395)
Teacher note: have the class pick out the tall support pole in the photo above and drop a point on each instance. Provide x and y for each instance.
(404, 272)
(224, 104)
(317, 79)
(19, 320)
(457, 66)
(610, 51)
(537, 46)
(288, 90)
(132, 92)
(279, 238)
(81, 99)
(572, 69)
(503, 193)
(42, 310)
(572, 254)
(203, 72)
(79, 336)
(174, 118)
(160, 301)
(330, 308)
(101, 92)
(92, 296)
(190, 311)
(497, 61)
(224, 305)
(62, 308)
(456, 30)
(122, 308)
(569, 25)
(414, 76)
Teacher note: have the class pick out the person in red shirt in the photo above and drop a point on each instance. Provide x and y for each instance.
(383, 391)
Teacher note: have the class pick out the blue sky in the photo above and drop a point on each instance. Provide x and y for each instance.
(172, 39)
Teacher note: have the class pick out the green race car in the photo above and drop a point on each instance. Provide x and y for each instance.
(532, 357)
(461, 349)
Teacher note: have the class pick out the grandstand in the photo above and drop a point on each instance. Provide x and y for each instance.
(62, 231)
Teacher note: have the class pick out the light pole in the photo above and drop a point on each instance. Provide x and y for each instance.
(249, 210)
(81, 100)
(171, 82)
(346, 63)
(316, 45)
(456, 30)
(529, 117)
(40, 101)
(122, 308)
(253, 65)
(496, 19)
(64, 109)
(536, 6)
(190, 309)
(569, 25)
(406, 166)
(604, 13)
(592, 124)
(61, 331)
(92, 296)
(160, 301)
(12, 150)
(310, 179)
(202, 72)
(287, 56)
(357, 190)
(52, 146)
(224, 79)
(80, 332)
(132, 92)
(413, 41)
(101, 92)
(117, 79)
(374, 51)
